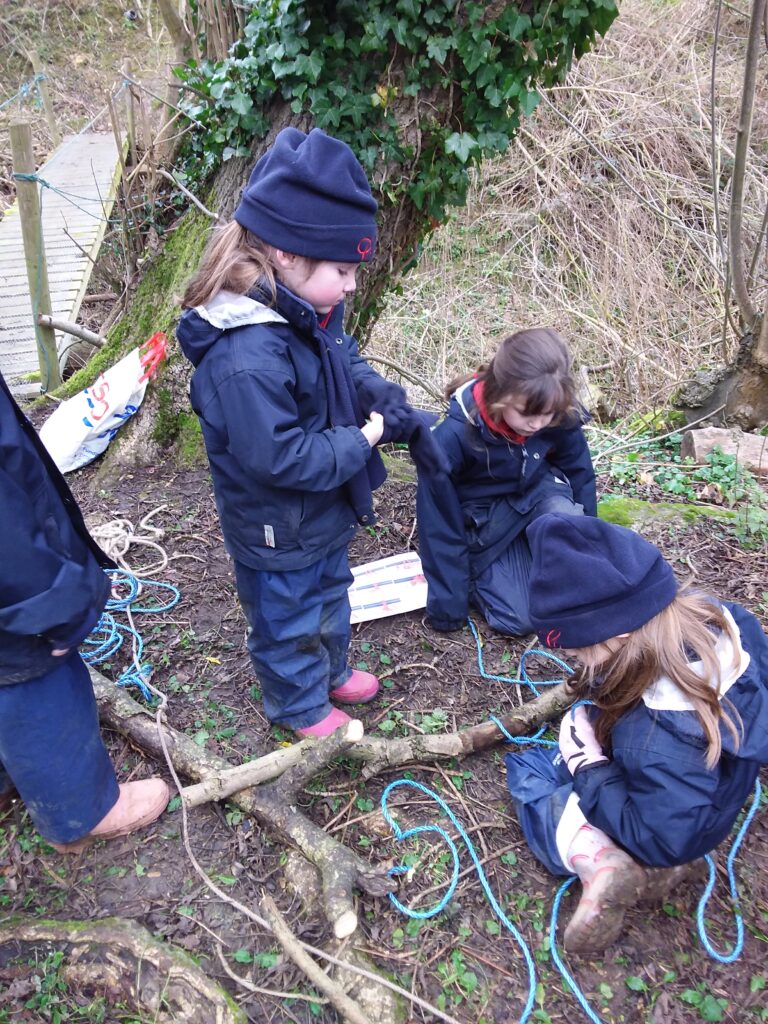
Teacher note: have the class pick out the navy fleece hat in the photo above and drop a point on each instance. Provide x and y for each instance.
(308, 195)
(592, 580)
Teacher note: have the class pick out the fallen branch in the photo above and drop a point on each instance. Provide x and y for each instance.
(381, 754)
(378, 754)
(273, 804)
(220, 785)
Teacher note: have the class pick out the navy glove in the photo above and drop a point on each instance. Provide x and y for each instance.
(428, 456)
(379, 395)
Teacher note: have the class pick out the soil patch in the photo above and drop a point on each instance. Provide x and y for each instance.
(461, 960)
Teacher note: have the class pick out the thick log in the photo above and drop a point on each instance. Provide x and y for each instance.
(125, 963)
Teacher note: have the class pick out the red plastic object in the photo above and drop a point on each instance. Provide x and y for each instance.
(152, 353)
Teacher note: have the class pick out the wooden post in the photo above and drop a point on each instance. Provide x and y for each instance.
(34, 254)
(46, 95)
(130, 118)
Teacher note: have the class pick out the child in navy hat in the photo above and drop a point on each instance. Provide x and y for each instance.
(291, 415)
(654, 773)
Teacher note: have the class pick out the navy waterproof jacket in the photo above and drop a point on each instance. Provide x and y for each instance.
(466, 522)
(52, 584)
(656, 797)
(278, 464)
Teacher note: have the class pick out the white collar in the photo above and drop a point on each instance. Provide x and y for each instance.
(665, 695)
(228, 309)
(461, 393)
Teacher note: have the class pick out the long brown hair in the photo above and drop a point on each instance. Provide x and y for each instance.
(533, 366)
(615, 676)
(234, 260)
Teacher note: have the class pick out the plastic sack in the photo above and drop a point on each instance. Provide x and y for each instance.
(81, 428)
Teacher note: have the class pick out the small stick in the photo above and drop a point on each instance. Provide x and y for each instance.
(348, 1009)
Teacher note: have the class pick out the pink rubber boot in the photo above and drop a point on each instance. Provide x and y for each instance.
(358, 689)
(611, 883)
(325, 726)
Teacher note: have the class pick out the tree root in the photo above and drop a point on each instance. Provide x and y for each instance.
(125, 964)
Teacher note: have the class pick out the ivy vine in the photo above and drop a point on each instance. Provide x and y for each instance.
(375, 72)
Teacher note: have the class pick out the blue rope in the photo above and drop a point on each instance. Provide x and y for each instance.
(69, 196)
(108, 635)
(727, 958)
(566, 974)
(526, 680)
(524, 677)
(24, 91)
(399, 835)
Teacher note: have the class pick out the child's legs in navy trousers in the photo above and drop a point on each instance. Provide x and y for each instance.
(501, 590)
(299, 635)
(52, 751)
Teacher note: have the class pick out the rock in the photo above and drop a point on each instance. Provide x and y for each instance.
(749, 450)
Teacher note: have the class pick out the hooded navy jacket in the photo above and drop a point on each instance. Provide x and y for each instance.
(52, 584)
(466, 522)
(656, 797)
(279, 465)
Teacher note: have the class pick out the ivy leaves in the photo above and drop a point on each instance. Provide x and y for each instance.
(376, 73)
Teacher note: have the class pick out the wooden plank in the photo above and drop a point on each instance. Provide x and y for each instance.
(84, 172)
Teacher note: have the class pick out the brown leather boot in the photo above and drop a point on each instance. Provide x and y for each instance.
(139, 804)
(662, 882)
(612, 883)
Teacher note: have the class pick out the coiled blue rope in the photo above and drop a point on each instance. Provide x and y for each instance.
(399, 835)
(107, 637)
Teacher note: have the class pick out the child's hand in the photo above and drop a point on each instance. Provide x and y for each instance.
(578, 744)
(373, 429)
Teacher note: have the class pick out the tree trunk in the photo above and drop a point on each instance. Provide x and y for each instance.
(732, 396)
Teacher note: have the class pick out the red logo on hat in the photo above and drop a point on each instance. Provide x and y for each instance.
(365, 248)
(552, 638)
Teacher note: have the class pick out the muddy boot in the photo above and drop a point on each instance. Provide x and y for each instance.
(611, 883)
(662, 882)
(139, 804)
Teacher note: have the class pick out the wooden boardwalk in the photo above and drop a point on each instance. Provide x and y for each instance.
(86, 168)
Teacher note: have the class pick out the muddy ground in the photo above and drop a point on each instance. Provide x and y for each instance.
(461, 960)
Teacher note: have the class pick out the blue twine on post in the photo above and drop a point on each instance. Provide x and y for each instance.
(24, 90)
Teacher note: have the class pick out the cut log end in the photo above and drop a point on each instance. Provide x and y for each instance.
(355, 731)
(345, 925)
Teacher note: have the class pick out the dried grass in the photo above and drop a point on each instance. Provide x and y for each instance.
(600, 219)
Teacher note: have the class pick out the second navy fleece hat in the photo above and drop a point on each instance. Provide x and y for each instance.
(592, 580)
(308, 195)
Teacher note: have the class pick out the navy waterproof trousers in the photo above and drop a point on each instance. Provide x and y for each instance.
(299, 635)
(52, 752)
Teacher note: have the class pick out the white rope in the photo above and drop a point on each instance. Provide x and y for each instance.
(116, 537)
